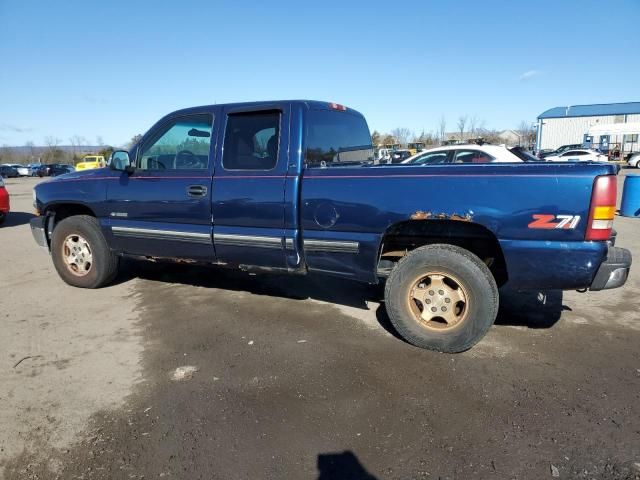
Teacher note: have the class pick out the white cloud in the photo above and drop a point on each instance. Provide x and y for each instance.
(529, 74)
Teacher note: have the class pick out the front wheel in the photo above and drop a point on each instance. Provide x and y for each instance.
(80, 253)
(441, 297)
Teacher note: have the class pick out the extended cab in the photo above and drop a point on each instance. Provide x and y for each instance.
(290, 186)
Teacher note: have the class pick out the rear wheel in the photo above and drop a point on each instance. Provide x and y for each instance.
(441, 297)
(80, 253)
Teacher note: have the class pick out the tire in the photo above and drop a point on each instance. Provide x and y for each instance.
(94, 265)
(463, 290)
(3, 217)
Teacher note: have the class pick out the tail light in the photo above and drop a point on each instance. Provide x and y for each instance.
(603, 208)
(337, 106)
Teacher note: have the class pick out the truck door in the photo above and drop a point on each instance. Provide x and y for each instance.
(163, 208)
(249, 187)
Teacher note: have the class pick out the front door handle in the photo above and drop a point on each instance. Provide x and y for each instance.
(196, 190)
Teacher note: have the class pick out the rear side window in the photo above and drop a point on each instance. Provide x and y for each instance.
(574, 154)
(251, 141)
(472, 156)
(337, 138)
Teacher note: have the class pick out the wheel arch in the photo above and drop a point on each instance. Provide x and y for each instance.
(55, 212)
(405, 236)
(62, 210)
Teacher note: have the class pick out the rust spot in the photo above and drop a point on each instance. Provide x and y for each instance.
(466, 218)
(420, 215)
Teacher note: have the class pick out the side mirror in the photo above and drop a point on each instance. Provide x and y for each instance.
(121, 162)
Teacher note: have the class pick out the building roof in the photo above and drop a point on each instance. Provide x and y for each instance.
(592, 110)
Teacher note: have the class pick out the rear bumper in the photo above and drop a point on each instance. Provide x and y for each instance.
(39, 231)
(613, 272)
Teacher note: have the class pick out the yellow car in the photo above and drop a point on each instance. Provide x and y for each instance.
(89, 162)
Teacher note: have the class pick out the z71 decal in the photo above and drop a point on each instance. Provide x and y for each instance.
(547, 222)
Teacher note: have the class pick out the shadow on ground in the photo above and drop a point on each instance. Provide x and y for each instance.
(532, 309)
(15, 219)
(341, 466)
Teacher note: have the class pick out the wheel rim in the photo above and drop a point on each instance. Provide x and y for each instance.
(77, 255)
(438, 301)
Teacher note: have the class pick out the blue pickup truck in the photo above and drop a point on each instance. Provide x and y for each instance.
(290, 186)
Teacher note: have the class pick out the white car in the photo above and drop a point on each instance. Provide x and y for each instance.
(634, 160)
(468, 153)
(22, 170)
(578, 155)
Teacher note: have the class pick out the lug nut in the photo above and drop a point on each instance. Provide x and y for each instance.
(447, 300)
(441, 292)
(431, 292)
(434, 309)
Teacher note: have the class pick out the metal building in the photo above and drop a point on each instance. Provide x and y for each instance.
(596, 125)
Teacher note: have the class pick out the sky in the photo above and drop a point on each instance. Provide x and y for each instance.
(111, 69)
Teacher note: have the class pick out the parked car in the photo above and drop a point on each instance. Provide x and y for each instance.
(444, 239)
(60, 169)
(7, 171)
(559, 150)
(44, 170)
(90, 161)
(23, 170)
(581, 155)
(400, 155)
(4, 202)
(35, 169)
(634, 160)
(467, 153)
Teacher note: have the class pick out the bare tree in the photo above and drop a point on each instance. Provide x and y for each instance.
(462, 122)
(52, 145)
(525, 133)
(401, 134)
(99, 141)
(135, 139)
(389, 139)
(443, 128)
(376, 138)
(77, 142)
(31, 149)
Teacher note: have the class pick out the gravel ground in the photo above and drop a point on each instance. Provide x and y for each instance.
(185, 372)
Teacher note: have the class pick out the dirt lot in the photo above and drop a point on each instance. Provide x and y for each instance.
(302, 378)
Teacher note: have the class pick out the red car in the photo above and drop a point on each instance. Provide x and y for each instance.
(4, 202)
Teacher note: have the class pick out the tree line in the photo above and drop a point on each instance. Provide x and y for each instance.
(466, 128)
(53, 151)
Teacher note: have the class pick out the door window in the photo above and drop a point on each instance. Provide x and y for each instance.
(434, 158)
(183, 144)
(472, 156)
(251, 141)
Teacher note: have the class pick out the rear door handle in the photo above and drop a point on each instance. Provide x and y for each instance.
(196, 190)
